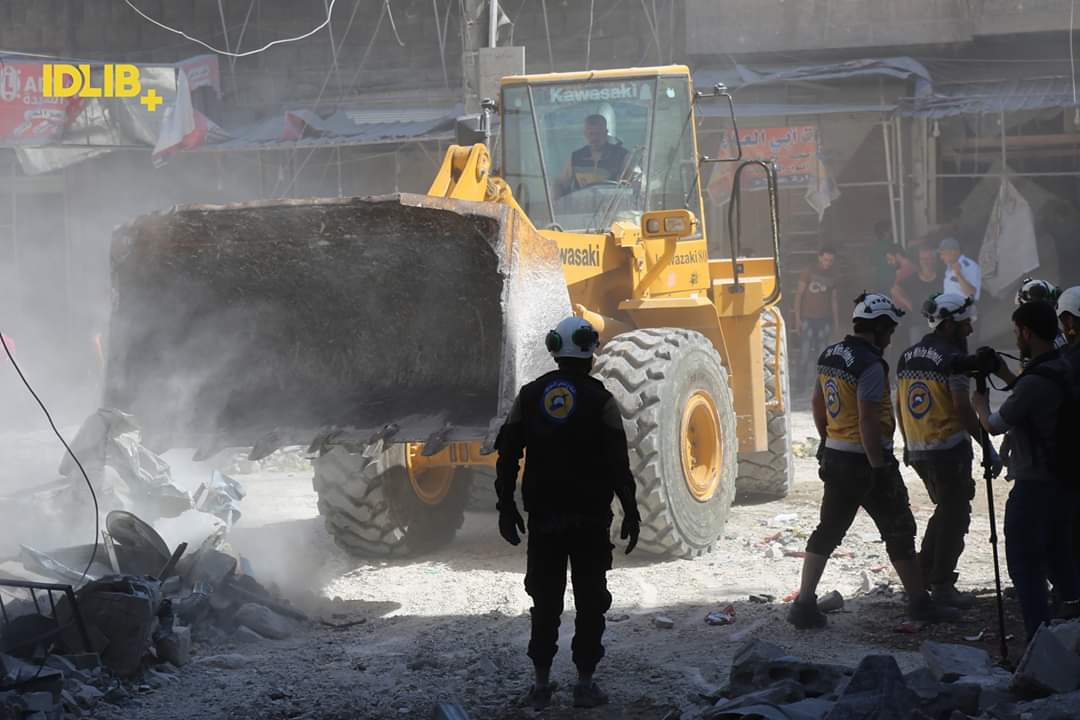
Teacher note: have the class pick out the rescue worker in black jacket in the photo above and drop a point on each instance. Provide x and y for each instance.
(938, 422)
(576, 464)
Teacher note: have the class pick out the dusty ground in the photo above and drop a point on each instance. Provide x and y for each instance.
(452, 627)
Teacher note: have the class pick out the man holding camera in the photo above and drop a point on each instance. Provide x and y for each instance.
(1038, 513)
(938, 422)
(852, 410)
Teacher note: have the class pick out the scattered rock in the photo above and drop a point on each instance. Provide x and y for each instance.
(1047, 667)
(663, 622)
(775, 552)
(230, 661)
(762, 598)
(265, 621)
(947, 662)
(617, 617)
(117, 695)
(876, 690)
(831, 602)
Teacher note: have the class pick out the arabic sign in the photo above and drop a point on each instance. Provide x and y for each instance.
(793, 149)
(26, 115)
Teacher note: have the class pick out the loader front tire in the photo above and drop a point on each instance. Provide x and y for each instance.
(371, 509)
(672, 389)
(771, 474)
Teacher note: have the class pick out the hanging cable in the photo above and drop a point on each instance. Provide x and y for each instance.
(393, 25)
(226, 52)
(588, 40)
(1072, 61)
(547, 33)
(93, 495)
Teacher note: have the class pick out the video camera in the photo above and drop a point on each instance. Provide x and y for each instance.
(984, 363)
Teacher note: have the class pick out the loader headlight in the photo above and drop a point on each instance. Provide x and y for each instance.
(652, 226)
(675, 226)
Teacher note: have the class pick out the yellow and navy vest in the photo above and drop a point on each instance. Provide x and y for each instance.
(931, 425)
(839, 369)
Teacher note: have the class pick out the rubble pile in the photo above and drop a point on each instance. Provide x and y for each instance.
(140, 609)
(958, 682)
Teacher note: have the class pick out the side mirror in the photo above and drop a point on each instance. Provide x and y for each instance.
(475, 128)
(720, 92)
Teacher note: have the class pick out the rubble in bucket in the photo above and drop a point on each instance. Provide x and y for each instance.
(131, 619)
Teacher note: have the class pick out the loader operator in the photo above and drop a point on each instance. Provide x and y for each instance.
(577, 463)
(938, 422)
(597, 162)
(852, 410)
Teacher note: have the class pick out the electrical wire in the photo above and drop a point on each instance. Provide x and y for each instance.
(93, 495)
(227, 53)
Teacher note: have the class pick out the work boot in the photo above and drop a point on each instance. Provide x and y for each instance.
(805, 615)
(539, 697)
(589, 696)
(923, 608)
(947, 594)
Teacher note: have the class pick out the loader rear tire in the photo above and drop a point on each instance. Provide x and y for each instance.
(665, 380)
(371, 510)
(771, 474)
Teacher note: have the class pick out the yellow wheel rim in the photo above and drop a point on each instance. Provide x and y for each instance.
(432, 485)
(702, 446)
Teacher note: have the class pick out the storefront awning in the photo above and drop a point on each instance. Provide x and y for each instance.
(992, 97)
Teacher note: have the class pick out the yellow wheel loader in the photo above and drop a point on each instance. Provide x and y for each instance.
(391, 333)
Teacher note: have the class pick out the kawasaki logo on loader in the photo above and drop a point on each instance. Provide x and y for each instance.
(579, 94)
(690, 258)
(582, 257)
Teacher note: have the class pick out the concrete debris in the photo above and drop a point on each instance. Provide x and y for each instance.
(230, 661)
(949, 662)
(781, 693)
(246, 635)
(762, 598)
(831, 602)
(759, 665)
(721, 617)
(876, 690)
(1047, 667)
(264, 621)
(220, 497)
(663, 622)
(1057, 707)
(775, 552)
(175, 646)
(1069, 635)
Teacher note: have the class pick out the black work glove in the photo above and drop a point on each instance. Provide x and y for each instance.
(631, 528)
(510, 523)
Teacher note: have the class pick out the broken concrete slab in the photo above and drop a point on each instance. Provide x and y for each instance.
(1056, 707)
(816, 680)
(876, 690)
(756, 651)
(782, 693)
(246, 635)
(1069, 635)
(1047, 667)
(811, 708)
(212, 567)
(947, 661)
(264, 621)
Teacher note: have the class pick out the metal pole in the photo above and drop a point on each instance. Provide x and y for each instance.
(493, 23)
(889, 174)
(900, 179)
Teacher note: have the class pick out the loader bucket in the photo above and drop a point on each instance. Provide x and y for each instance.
(415, 312)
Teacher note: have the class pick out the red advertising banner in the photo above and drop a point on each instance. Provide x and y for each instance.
(25, 116)
(793, 149)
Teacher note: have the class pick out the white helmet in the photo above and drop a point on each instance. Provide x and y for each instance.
(1031, 289)
(870, 306)
(572, 338)
(1069, 302)
(948, 306)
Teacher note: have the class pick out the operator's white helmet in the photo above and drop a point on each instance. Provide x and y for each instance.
(1031, 289)
(1069, 302)
(870, 306)
(948, 306)
(572, 338)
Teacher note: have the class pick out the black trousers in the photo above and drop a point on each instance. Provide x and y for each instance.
(951, 488)
(588, 550)
(849, 485)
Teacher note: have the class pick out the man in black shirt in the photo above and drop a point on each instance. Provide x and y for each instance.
(597, 162)
(577, 464)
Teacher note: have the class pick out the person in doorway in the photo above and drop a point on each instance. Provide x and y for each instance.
(962, 274)
(577, 463)
(599, 161)
(852, 409)
(816, 314)
(1040, 508)
(938, 422)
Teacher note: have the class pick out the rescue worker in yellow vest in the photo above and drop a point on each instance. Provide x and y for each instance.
(938, 422)
(852, 409)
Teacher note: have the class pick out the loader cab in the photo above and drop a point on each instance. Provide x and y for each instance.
(568, 174)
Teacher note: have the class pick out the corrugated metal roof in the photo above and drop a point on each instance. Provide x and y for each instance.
(982, 97)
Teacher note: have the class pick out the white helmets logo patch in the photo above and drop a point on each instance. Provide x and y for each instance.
(560, 400)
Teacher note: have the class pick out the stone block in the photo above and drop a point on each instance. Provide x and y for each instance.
(1047, 667)
(876, 690)
(947, 662)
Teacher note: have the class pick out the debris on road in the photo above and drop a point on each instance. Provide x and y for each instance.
(663, 622)
(721, 617)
